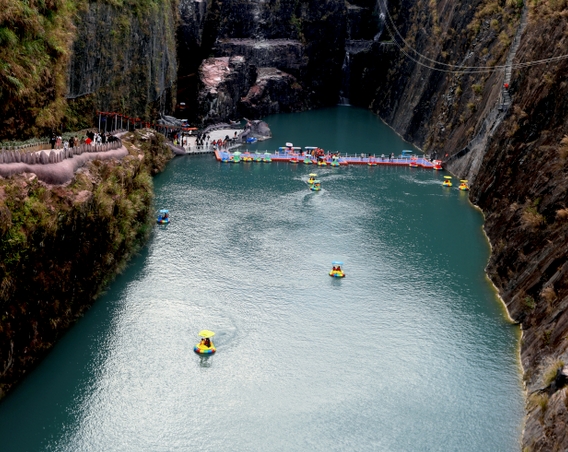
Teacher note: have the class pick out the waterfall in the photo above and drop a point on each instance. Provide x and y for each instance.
(345, 76)
(379, 9)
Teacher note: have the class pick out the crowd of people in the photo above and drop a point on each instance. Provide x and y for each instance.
(92, 138)
(182, 139)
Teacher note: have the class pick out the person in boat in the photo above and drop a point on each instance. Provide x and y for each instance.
(207, 342)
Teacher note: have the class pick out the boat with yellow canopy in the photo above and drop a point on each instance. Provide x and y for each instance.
(205, 346)
(463, 185)
(336, 271)
(447, 181)
(312, 178)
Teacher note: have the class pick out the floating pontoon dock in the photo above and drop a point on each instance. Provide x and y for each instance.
(361, 159)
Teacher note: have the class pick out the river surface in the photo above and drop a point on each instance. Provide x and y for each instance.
(412, 351)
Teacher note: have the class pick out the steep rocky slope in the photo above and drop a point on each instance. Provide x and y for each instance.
(60, 245)
(300, 44)
(124, 57)
(522, 187)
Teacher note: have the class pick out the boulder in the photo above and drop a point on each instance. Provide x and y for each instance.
(274, 91)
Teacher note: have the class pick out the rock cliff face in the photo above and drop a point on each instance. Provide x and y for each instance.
(293, 50)
(62, 60)
(522, 187)
(124, 56)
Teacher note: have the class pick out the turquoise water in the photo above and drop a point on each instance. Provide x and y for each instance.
(410, 352)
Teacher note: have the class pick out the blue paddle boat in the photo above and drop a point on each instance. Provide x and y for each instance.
(164, 216)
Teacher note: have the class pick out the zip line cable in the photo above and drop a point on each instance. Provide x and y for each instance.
(452, 68)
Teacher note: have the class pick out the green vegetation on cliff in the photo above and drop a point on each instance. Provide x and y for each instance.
(62, 60)
(35, 40)
(62, 245)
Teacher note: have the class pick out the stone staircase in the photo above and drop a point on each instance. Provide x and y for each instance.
(505, 95)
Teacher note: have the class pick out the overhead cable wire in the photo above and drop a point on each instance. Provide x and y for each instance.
(458, 69)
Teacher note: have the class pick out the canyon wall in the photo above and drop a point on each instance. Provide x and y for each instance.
(292, 54)
(123, 59)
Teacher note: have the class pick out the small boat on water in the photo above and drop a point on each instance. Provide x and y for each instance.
(257, 157)
(236, 157)
(437, 164)
(336, 271)
(247, 157)
(447, 181)
(205, 346)
(267, 157)
(312, 178)
(463, 185)
(163, 216)
(315, 186)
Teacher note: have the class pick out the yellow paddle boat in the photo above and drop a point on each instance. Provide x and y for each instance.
(336, 271)
(463, 185)
(447, 181)
(312, 178)
(205, 346)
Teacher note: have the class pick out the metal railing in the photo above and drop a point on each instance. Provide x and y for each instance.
(34, 157)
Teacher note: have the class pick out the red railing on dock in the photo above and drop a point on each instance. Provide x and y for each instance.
(277, 156)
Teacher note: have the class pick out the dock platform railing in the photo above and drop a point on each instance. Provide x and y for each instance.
(208, 149)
